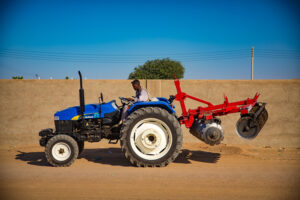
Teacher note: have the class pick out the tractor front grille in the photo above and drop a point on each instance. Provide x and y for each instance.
(63, 126)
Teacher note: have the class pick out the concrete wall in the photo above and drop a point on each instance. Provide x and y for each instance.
(27, 106)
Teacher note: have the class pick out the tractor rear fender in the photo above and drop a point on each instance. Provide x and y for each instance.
(160, 104)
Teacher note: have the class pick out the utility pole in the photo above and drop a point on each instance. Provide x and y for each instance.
(252, 62)
(146, 84)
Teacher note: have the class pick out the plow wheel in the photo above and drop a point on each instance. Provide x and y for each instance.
(262, 118)
(246, 128)
(250, 125)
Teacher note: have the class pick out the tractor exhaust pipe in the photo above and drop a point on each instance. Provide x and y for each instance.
(81, 96)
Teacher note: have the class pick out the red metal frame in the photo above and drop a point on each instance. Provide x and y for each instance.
(211, 110)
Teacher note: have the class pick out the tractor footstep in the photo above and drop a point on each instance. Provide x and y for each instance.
(113, 141)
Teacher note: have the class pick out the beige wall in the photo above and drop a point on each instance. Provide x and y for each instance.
(27, 106)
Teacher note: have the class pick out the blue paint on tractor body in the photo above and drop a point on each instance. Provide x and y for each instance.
(161, 103)
(91, 111)
(94, 111)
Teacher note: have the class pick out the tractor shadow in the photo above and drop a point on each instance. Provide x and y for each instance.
(200, 156)
(106, 156)
(115, 157)
(33, 158)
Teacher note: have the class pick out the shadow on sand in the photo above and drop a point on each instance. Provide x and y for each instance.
(201, 156)
(115, 157)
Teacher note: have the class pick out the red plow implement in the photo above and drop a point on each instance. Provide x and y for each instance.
(204, 124)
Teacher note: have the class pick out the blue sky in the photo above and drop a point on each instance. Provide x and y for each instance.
(107, 39)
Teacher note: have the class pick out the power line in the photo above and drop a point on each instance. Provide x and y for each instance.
(118, 55)
(141, 58)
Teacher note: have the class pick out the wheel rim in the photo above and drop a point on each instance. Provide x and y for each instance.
(151, 139)
(244, 130)
(61, 151)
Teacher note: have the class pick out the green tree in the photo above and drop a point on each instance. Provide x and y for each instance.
(67, 78)
(158, 69)
(17, 77)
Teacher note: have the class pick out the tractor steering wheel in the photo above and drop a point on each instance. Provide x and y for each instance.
(125, 100)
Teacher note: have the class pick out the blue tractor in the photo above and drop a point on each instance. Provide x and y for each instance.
(150, 136)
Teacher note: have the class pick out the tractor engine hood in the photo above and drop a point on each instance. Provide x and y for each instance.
(91, 111)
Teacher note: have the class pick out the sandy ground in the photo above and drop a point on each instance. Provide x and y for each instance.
(200, 172)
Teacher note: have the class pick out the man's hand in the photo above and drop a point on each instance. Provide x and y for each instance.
(130, 99)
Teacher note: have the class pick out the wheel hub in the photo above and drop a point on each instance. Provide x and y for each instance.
(61, 151)
(151, 138)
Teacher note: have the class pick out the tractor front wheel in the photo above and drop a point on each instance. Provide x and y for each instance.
(61, 150)
(151, 137)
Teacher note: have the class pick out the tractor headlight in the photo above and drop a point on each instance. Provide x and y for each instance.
(56, 117)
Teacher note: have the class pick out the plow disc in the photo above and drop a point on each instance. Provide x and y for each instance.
(250, 125)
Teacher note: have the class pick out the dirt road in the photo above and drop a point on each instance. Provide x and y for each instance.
(200, 172)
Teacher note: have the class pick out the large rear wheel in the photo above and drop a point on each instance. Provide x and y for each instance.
(151, 137)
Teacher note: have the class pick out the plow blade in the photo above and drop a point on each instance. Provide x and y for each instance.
(250, 125)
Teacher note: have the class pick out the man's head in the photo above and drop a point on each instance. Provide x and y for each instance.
(136, 84)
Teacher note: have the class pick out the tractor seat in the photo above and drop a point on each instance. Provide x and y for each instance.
(154, 99)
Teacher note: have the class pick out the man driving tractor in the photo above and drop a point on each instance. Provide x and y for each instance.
(141, 95)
